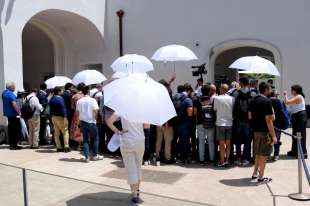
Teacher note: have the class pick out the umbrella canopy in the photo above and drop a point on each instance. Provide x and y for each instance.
(88, 77)
(255, 65)
(132, 63)
(174, 53)
(140, 99)
(118, 75)
(57, 81)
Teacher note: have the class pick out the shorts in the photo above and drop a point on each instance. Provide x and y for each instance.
(262, 146)
(223, 133)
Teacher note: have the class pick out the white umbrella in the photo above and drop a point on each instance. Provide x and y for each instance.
(255, 65)
(173, 53)
(57, 81)
(132, 63)
(88, 77)
(140, 99)
(118, 75)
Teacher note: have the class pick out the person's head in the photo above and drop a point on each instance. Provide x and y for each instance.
(200, 81)
(264, 89)
(21, 94)
(34, 91)
(10, 86)
(270, 82)
(99, 87)
(68, 86)
(85, 90)
(253, 84)
(297, 90)
(80, 86)
(180, 89)
(188, 88)
(244, 82)
(43, 86)
(212, 90)
(57, 91)
(205, 90)
(224, 88)
(164, 82)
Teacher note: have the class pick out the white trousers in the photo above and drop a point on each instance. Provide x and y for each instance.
(133, 157)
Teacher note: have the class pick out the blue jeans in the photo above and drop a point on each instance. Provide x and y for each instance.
(90, 132)
(184, 133)
(243, 136)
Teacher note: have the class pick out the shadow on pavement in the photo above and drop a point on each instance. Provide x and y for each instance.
(71, 160)
(243, 182)
(99, 199)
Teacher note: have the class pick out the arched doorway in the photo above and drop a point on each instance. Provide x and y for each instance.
(38, 56)
(223, 54)
(57, 42)
(222, 73)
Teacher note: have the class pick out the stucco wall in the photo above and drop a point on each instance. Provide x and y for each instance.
(150, 24)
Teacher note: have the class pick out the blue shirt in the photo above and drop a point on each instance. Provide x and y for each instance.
(8, 97)
(58, 107)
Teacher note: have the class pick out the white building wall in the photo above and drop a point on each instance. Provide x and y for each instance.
(150, 24)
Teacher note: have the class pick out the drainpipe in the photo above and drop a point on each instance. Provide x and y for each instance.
(120, 15)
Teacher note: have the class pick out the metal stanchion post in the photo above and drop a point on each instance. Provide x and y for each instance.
(300, 195)
(25, 188)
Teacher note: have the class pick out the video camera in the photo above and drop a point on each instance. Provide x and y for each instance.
(201, 70)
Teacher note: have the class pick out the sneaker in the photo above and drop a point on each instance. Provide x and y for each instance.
(16, 148)
(60, 150)
(276, 158)
(221, 165)
(97, 157)
(264, 180)
(254, 177)
(86, 160)
(67, 149)
(245, 163)
(202, 162)
(146, 163)
(136, 198)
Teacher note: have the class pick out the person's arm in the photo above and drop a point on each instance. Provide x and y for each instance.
(269, 120)
(146, 126)
(37, 105)
(294, 100)
(110, 123)
(16, 108)
(172, 79)
(64, 111)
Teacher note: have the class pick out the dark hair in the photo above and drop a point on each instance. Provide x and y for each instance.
(188, 87)
(205, 90)
(270, 81)
(85, 90)
(56, 90)
(68, 85)
(200, 80)
(80, 86)
(34, 90)
(164, 82)
(43, 86)
(262, 87)
(244, 81)
(298, 89)
(180, 89)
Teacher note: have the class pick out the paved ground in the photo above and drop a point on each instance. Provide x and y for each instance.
(192, 185)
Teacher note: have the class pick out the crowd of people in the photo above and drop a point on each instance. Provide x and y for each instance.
(235, 124)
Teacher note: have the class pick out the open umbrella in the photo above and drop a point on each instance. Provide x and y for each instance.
(57, 81)
(255, 65)
(140, 99)
(173, 53)
(132, 63)
(89, 77)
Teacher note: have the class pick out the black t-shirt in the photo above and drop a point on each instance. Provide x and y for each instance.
(198, 106)
(277, 107)
(260, 108)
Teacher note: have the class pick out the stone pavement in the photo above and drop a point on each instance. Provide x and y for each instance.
(165, 185)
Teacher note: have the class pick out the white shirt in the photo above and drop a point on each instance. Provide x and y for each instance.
(98, 94)
(295, 108)
(87, 107)
(34, 104)
(223, 105)
(135, 134)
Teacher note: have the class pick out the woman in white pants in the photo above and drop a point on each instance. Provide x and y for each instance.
(132, 149)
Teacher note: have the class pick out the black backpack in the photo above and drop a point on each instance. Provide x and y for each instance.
(242, 105)
(179, 108)
(208, 113)
(26, 110)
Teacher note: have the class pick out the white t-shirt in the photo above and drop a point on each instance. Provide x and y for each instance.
(87, 107)
(223, 105)
(34, 104)
(135, 134)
